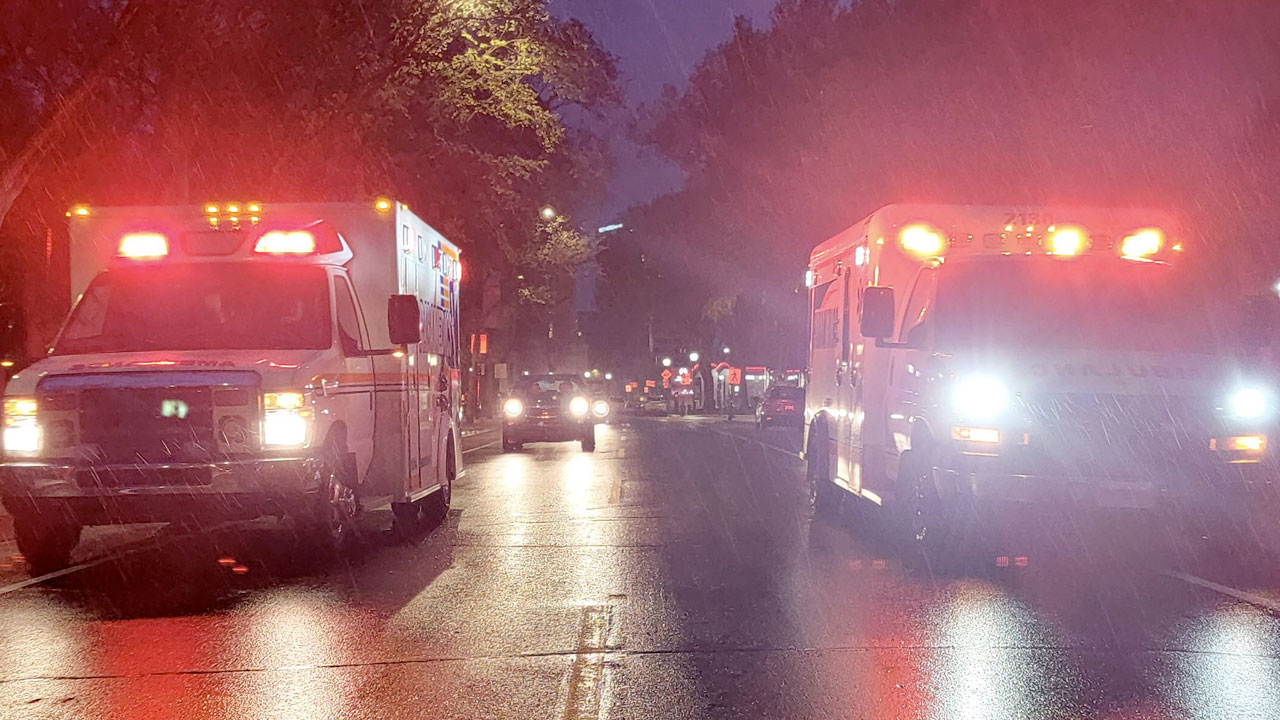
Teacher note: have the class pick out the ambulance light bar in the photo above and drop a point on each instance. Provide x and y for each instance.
(286, 242)
(1067, 241)
(1141, 244)
(921, 240)
(143, 246)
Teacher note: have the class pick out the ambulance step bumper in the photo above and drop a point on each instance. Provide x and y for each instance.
(110, 495)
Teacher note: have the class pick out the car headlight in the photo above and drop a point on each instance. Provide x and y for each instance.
(979, 396)
(21, 428)
(1248, 403)
(600, 408)
(513, 407)
(286, 419)
(579, 406)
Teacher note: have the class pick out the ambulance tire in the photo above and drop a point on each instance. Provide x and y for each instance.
(435, 507)
(45, 544)
(328, 527)
(929, 533)
(589, 440)
(825, 497)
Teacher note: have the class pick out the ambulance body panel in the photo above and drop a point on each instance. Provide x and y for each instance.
(257, 344)
(1009, 363)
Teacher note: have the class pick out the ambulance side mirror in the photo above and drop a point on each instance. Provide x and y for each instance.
(877, 313)
(404, 320)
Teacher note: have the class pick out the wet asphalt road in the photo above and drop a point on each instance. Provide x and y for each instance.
(674, 573)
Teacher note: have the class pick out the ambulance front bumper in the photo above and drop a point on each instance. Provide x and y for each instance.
(1184, 481)
(122, 494)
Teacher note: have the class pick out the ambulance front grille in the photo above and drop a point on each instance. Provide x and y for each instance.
(142, 426)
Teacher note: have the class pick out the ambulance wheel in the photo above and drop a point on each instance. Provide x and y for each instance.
(436, 505)
(46, 545)
(927, 530)
(825, 497)
(328, 526)
(589, 441)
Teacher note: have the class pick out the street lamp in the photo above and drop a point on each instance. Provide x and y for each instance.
(693, 357)
(608, 376)
(548, 213)
(726, 351)
(666, 362)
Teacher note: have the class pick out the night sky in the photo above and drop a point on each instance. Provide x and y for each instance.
(657, 43)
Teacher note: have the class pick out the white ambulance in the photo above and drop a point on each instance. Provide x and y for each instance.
(240, 360)
(973, 364)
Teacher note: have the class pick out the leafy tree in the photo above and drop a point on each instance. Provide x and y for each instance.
(790, 133)
(453, 106)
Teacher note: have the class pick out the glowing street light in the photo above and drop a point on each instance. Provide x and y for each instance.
(726, 351)
(549, 213)
(666, 362)
(693, 357)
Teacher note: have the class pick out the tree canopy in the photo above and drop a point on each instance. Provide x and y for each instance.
(789, 133)
(453, 106)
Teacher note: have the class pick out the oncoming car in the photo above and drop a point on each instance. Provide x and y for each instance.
(551, 408)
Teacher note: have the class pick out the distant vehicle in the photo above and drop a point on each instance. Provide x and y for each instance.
(969, 364)
(236, 361)
(781, 405)
(551, 408)
(655, 404)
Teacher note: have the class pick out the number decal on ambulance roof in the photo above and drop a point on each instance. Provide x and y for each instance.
(1022, 220)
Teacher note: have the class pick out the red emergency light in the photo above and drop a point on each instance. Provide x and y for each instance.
(286, 242)
(143, 246)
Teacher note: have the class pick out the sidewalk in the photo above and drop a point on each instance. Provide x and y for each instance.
(479, 427)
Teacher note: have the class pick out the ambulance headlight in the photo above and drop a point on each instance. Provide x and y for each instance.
(579, 407)
(980, 397)
(21, 428)
(1248, 403)
(286, 420)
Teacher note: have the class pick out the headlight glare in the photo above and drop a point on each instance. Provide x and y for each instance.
(579, 406)
(21, 429)
(513, 407)
(286, 419)
(979, 396)
(600, 408)
(1248, 403)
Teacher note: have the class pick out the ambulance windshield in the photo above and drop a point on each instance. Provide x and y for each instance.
(1094, 303)
(210, 306)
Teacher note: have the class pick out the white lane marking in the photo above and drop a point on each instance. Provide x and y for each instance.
(480, 447)
(1242, 595)
(792, 453)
